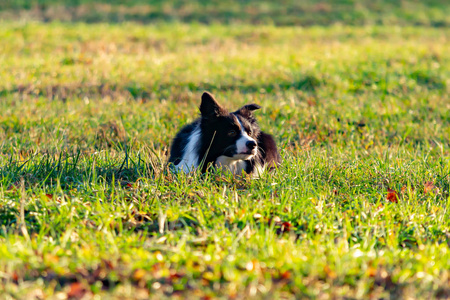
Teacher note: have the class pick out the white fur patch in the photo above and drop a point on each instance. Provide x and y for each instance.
(189, 162)
(231, 164)
(241, 143)
(237, 166)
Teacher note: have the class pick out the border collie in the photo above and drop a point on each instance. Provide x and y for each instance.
(231, 141)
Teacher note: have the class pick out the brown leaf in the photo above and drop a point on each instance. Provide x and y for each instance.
(15, 276)
(392, 196)
(286, 227)
(286, 275)
(49, 196)
(430, 187)
(76, 291)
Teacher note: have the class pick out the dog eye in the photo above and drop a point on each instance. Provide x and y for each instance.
(232, 133)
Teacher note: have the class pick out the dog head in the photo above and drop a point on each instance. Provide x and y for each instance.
(233, 135)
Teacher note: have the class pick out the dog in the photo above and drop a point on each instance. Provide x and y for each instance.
(231, 141)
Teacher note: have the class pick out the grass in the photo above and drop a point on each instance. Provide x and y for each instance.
(358, 209)
(284, 13)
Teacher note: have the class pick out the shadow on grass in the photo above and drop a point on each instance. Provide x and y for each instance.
(180, 91)
(171, 91)
(286, 13)
(72, 169)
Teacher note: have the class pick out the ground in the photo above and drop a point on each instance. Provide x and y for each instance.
(358, 208)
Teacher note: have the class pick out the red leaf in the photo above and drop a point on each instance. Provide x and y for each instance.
(392, 196)
(286, 227)
(49, 196)
(76, 291)
(286, 275)
(15, 277)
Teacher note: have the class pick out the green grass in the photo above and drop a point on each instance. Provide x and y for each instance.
(88, 206)
(434, 13)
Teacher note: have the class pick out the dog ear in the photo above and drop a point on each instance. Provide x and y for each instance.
(247, 110)
(210, 108)
(250, 107)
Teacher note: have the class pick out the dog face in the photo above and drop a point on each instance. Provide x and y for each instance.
(233, 135)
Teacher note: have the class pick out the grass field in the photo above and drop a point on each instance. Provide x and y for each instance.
(359, 208)
(434, 13)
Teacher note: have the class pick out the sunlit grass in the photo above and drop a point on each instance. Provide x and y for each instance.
(87, 116)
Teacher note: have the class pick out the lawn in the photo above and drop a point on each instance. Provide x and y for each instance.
(359, 207)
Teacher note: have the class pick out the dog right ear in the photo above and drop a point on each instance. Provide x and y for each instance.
(210, 108)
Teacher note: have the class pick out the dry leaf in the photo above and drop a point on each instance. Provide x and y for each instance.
(430, 187)
(286, 227)
(15, 276)
(286, 275)
(392, 196)
(76, 291)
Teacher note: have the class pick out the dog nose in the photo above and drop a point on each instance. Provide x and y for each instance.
(251, 145)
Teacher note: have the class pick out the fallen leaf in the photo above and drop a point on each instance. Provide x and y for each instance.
(15, 277)
(286, 227)
(49, 196)
(392, 196)
(430, 187)
(286, 275)
(76, 291)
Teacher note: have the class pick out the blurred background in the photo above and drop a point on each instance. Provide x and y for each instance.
(283, 12)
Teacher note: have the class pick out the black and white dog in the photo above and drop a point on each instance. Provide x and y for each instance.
(232, 141)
